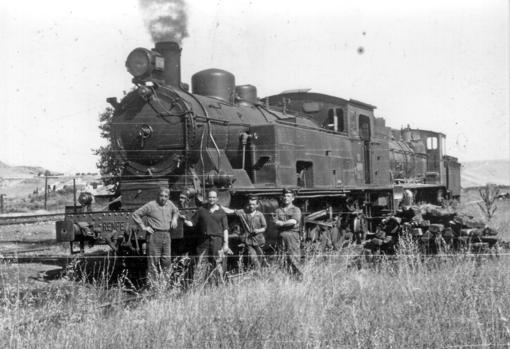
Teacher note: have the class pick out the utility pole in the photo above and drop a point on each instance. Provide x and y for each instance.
(74, 194)
(45, 190)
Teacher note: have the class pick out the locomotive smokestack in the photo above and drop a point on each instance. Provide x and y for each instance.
(171, 53)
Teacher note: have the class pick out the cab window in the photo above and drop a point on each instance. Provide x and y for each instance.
(335, 120)
(431, 143)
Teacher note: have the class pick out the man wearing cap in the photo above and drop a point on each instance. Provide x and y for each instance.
(287, 219)
(160, 216)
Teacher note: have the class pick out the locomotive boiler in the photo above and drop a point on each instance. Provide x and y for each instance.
(336, 155)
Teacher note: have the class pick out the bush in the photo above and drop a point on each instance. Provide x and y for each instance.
(489, 195)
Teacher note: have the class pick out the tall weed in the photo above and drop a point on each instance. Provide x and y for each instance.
(400, 302)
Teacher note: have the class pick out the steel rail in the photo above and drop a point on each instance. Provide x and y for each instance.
(14, 252)
(26, 219)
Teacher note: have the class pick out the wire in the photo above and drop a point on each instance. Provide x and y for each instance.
(278, 255)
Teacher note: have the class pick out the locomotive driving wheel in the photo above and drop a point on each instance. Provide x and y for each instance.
(359, 228)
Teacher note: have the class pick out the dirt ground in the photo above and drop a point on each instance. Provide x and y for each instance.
(43, 265)
(39, 237)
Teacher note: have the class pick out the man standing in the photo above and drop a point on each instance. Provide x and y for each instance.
(287, 219)
(160, 216)
(179, 244)
(183, 200)
(212, 225)
(253, 225)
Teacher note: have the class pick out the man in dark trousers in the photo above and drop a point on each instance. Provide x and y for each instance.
(181, 246)
(253, 226)
(160, 216)
(287, 220)
(212, 225)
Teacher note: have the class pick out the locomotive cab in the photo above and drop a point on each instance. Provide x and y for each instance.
(434, 144)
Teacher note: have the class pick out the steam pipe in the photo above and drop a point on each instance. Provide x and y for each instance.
(244, 141)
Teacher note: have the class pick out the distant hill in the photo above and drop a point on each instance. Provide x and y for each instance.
(7, 171)
(479, 173)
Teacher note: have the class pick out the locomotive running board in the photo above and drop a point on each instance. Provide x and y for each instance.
(302, 193)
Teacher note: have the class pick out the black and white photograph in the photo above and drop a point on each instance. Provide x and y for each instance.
(255, 174)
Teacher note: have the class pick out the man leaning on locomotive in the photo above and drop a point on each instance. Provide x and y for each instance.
(212, 226)
(253, 227)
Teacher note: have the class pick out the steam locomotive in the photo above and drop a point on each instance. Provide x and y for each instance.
(338, 157)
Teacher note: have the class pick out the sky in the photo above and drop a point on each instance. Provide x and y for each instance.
(438, 64)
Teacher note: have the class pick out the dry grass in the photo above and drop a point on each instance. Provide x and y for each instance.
(405, 303)
(56, 202)
(342, 301)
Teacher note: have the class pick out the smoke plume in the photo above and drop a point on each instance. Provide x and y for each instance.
(166, 20)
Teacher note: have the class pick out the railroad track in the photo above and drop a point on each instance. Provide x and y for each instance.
(29, 219)
(14, 252)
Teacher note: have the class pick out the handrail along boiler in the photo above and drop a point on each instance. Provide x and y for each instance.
(335, 153)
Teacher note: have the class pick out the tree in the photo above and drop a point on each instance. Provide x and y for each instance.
(109, 165)
(489, 194)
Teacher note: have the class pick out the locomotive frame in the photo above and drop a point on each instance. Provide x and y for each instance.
(339, 158)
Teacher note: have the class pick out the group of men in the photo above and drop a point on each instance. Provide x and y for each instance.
(157, 218)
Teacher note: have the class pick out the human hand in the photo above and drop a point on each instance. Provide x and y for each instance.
(278, 223)
(173, 224)
(226, 250)
(148, 230)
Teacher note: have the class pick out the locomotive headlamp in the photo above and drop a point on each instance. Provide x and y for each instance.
(141, 62)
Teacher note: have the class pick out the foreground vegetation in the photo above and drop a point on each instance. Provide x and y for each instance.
(343, 301)
(406, 302)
